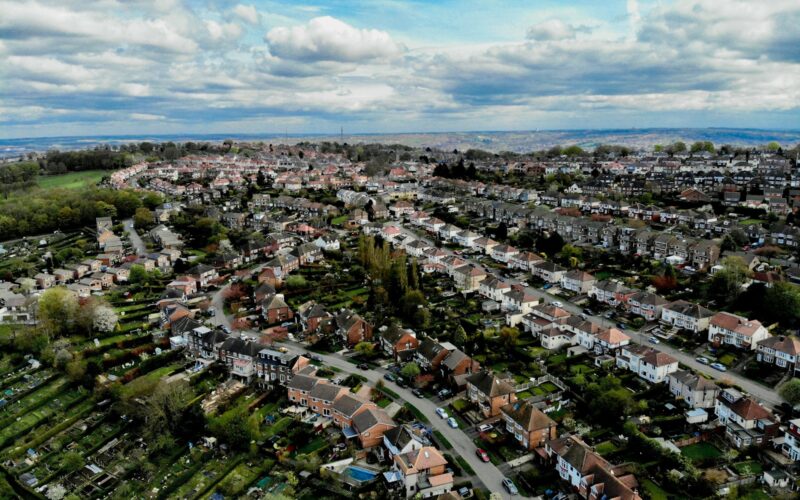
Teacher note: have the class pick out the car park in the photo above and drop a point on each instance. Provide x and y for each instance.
(441, 412)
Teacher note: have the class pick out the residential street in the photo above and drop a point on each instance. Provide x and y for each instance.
(488, 473)
(766, 394)
(133, 236)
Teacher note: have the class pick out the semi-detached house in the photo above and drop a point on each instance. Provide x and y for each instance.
(730, 329)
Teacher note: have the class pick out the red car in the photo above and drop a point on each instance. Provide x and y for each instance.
(482, 455)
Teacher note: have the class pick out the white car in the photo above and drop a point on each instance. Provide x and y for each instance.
(452, 423)
(557, 303)
(484, 427)
(441, 412)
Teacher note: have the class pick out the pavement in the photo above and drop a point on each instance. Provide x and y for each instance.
(136, 241)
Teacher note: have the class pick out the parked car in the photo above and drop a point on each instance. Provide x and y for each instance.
(441, 412)
(547, 286)
(702, 360)
(401, 382)
(418, 393)
(653, 340)
(556, 303)
(588, 311)
(452, 423)
(482, 455)
(390, 377)
(719, 366)
(314, 357)
(510, 487)
(362, 366)
(621, 326)
(444, 393)
(484, 427)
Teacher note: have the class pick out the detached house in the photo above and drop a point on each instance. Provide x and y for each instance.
(489, 392)
(274, 309)
(352, 328)
(727, 328)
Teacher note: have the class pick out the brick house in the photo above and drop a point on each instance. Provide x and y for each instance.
(529, 426)
(489, 392)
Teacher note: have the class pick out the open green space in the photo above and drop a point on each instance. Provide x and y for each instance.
(71, 180)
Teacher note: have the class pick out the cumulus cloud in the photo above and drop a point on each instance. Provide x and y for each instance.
(246, 13)
(553, 29)
(329, 39)
(146, 64)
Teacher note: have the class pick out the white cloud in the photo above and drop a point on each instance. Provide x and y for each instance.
(329, 39)
(146, 117)
(553, 29)
(246, 13)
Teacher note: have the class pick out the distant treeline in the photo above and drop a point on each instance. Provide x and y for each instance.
(16, 176)
(45, 211)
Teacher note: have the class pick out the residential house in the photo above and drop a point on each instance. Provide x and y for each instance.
(489, 392)
(646, 304)
(240, 357)
(371, 425)
(730, 329)
(423, 472)
(782, 351)
(591, 476)
(647, 362)
(746, 422)
(430, 353)
(468, 278)
(322, 396)
(697, 391)
(352, 328)
(404, 439)
(548, 271)
(399, 344)
(275, 368)
(791, 440)
(686, 315)
(275, 310)
(203, 274)
(529, 425)
(577, 281)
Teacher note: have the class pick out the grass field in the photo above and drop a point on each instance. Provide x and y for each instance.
(700, 451)
(72, 180)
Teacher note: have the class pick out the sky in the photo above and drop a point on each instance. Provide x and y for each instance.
(112, 67)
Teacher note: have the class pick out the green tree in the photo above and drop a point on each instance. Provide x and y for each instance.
(137, 275)
(782, 302)
(71, 461)
(57, 310)
(508, 337)
(366, 349)
(143, 218)
(410, 370)
(726, 285)
(790, 391)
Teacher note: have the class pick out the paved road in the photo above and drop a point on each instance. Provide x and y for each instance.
(765, 394)
(137, 243)
(488, 473)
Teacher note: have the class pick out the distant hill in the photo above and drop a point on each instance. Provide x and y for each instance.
(517, 141)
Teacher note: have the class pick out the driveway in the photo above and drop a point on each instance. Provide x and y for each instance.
(133, 236)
